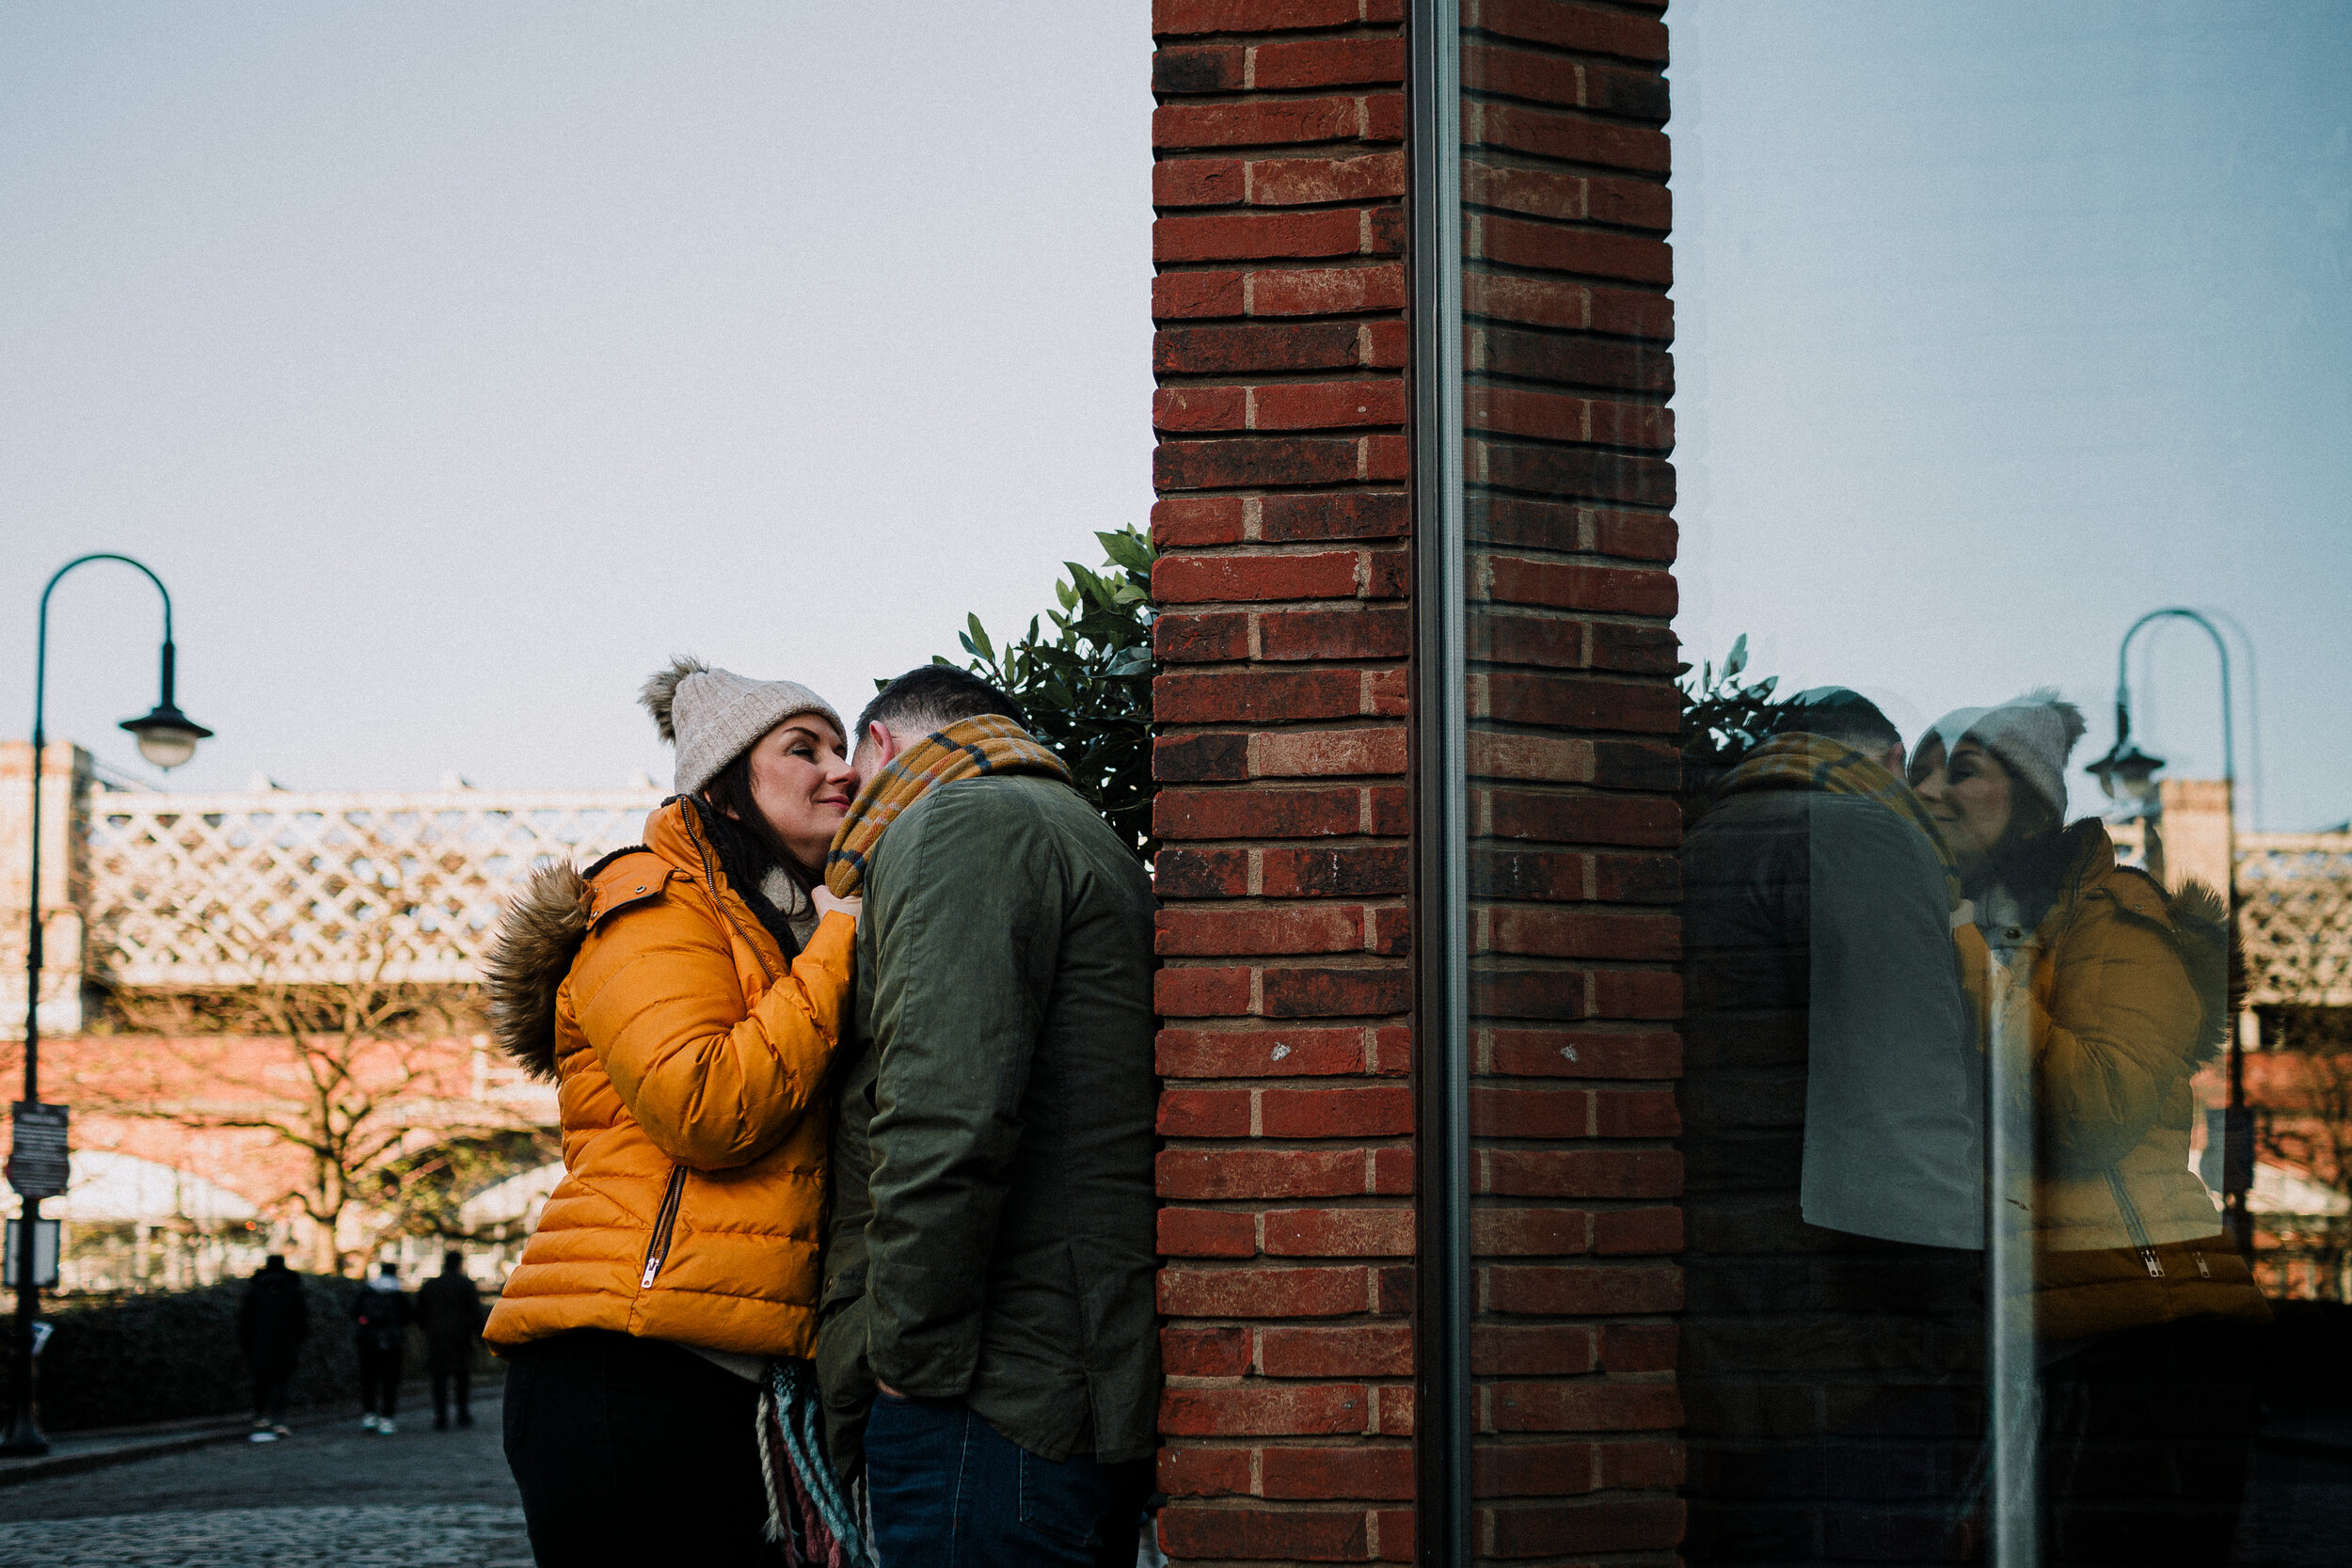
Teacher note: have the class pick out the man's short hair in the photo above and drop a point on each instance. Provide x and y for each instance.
(933, 696)
(1841, 714)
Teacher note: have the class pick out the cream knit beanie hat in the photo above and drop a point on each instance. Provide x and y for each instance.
(713, 716)
(2031, 733)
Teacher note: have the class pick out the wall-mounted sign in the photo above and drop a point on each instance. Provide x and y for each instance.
(37, 1165)
(44, 1256)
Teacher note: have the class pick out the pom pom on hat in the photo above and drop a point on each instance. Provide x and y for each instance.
(661, 694)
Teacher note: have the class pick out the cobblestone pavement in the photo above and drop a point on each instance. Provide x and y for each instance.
(382, 1536)
(331, 1493)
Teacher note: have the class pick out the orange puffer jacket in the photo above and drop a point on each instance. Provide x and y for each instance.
(2129, 995)
(689, 1065)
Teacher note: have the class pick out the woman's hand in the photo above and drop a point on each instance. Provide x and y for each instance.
(827, 903)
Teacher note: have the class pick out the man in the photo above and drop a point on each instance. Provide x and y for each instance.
(379, 1316)
(1833, 1141)
(450, 1309)
(989, 1277)
(273, 1320)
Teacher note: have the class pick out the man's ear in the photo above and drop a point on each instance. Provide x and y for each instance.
(1892, 759)
(885, 744)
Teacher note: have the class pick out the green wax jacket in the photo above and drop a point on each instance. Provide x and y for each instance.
(992, 1235)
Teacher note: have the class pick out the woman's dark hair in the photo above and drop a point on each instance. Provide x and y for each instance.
(748, 848)
(2032, 856)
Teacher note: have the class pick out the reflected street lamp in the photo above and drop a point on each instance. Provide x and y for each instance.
(37, 1152)
(2127, 776)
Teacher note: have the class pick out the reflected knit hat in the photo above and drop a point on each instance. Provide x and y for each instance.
(2031, 734)
(713, 716)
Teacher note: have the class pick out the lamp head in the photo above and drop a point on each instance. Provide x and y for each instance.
(2127, 776)
(166, 736)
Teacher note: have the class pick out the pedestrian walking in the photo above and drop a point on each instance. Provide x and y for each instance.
(450, 1309)
(273, 1320)
(381, 1313)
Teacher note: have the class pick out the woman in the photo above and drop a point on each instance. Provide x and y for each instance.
(686, 996)
(2137, 1298)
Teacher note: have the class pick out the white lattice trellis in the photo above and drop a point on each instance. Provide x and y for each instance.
(2295, 913)
(196, 891)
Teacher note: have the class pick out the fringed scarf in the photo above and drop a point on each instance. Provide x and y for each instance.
(968, 749)
(809, 1517)
(1801, 761)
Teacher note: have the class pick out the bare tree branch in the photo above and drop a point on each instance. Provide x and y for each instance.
(373, 1084)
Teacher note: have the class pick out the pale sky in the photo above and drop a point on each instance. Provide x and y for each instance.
(2002, 323)
(456, 364)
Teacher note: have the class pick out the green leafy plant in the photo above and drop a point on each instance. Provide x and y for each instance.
(1086, 684)
(1723, 718)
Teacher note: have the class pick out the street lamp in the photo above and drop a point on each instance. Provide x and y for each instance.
(36, 1154)
(2126, 775)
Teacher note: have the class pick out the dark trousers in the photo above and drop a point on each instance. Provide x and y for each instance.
(379, 1379)
(949, 1491)
(271, 1380)
(448, 1364)
(2145, 1436)
(633, 1451)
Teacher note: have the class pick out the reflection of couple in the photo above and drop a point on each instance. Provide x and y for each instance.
(1837, 932)
(853, 1058)
(2128, 995)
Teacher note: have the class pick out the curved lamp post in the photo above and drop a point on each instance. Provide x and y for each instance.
(2126, 774)
(167, 738)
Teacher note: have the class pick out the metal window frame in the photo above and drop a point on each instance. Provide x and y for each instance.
(1440, 780)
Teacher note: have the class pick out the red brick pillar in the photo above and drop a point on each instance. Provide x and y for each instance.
(1571, 719)
(1286, 756)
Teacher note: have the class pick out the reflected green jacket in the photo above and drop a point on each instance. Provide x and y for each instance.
(991, 1234)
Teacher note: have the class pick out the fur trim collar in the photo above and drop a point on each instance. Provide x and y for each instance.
(537, 939)
(2214, 959)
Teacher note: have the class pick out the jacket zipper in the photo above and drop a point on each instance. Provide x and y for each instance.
(2131, 1223)
(659, 1248)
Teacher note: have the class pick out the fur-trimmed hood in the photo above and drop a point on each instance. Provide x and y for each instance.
(2194, 916)
(537, 939)
(2214, 957)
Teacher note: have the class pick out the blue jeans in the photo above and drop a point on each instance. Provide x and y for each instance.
(949, 1491)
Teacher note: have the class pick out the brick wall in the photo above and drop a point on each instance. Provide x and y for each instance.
(1283, 636)
(1283, 757)
(1572, 716)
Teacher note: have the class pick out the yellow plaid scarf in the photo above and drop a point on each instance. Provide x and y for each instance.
(1801, 761)
(969, 749)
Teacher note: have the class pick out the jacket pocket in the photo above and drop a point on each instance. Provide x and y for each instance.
(845, 1382)
(1119, 1342)
(664, 1222)
(2131, 1225)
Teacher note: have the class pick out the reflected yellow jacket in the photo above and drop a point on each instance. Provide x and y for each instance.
(689, 1061)
(2129, 994)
